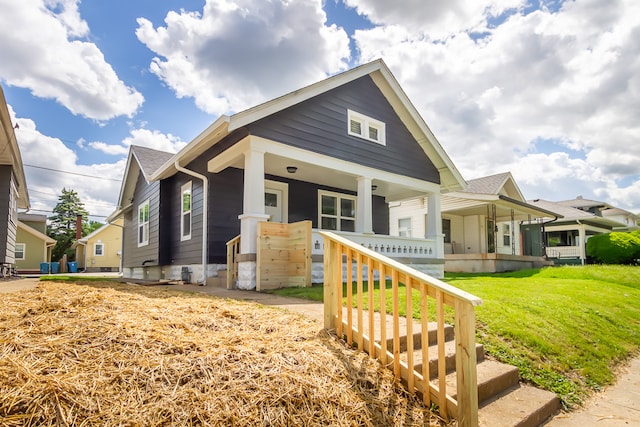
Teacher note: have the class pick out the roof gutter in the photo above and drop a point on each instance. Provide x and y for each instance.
(205, 196)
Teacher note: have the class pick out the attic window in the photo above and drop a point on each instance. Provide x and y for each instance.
(366, 127)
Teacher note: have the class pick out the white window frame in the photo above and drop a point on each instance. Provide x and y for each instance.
(186, 188)
(143, 225)
(338, 216)
(95, 249)
(13, 203)
(404, 231)
(24, 251)
(366, 125)
(506, 234)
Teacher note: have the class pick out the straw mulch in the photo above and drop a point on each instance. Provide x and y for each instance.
(111, 354)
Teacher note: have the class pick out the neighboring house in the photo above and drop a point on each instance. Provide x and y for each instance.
(101, 250)
(581, 218)
(33, 246)
(335, 153)
(484, 226)
(13, 188)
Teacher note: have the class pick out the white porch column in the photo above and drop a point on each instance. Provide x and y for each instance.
(582, 241)
(253, 212)
(364, 210)
(434, 223)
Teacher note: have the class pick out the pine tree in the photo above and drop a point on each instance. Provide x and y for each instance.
(62, 224)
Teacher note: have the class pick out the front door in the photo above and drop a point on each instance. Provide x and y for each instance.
(273, 204)
(276, 201)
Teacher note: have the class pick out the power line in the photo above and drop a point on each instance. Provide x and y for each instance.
(48, 211)
(73, 173)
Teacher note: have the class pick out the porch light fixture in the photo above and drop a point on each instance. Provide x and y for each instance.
(374, 187)
(292, 169)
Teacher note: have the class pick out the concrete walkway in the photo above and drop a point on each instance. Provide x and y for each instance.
(618, 405)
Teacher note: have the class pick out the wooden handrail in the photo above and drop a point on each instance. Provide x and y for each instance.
(233, 249)
(337, 252)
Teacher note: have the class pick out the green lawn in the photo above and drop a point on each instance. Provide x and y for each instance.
(565, 328)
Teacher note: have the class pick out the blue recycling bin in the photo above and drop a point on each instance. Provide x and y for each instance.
(55, 267)
(44, 268)
(72, 267)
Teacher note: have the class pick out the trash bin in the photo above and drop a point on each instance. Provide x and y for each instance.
(44, 268)
(72, 267)
(55, 267)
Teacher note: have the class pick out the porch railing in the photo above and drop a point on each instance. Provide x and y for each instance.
(338, 251)
(391, 246)
(563, 251)
(233, 250)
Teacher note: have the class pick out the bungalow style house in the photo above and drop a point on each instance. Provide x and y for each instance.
(33, 246)
(483, 225)
(100, 250)
(335, 154)
(13, 189)
(567, 236)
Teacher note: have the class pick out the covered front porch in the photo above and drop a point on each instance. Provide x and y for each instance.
(484, 233)
(288, 184)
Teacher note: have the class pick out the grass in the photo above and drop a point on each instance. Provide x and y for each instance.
(565, 328)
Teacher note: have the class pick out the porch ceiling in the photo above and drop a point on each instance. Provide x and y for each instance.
(323, 170)
(469, 207)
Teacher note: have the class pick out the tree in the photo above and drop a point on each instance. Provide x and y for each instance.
(62, 224)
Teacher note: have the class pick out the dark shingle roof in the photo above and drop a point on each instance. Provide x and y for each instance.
(150, 160)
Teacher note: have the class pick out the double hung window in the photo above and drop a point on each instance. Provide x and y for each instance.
(143, 223)
(337, 211)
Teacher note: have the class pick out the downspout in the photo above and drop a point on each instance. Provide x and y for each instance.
(205, 214)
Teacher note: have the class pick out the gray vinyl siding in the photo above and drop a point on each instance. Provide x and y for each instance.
(135, 256)
(8, 228)
(320, 125)
(173, 249)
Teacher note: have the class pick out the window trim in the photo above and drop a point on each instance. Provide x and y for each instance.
(366, 125)
(145, 240)
(186, 187)
(95, 246)
(338, 216)
(24, 252)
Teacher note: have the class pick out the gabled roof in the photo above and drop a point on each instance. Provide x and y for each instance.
(140, 160)
(149, 160)
(94, 233)
(501, 183)
(48, 240)
(10, 153)
(450, 177)
(499, 190)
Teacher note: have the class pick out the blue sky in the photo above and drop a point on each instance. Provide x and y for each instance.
(548, 90)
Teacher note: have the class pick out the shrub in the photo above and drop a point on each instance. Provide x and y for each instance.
(615, 247)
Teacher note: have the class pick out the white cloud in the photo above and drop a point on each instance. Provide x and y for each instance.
(154, 139)
(45, 185)
(568, 76)
(236, 54)
(40, 51)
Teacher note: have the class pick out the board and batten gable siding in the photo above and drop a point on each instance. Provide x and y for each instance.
(133, 255)
(8, 228)
(174, 250)
(320, 125)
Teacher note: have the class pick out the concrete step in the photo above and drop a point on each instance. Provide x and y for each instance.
(493, 378)
(519, 406)
(450, 358)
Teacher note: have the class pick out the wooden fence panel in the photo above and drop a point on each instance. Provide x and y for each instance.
(284, 255)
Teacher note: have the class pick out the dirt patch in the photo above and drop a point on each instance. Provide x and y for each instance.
(114, 354)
